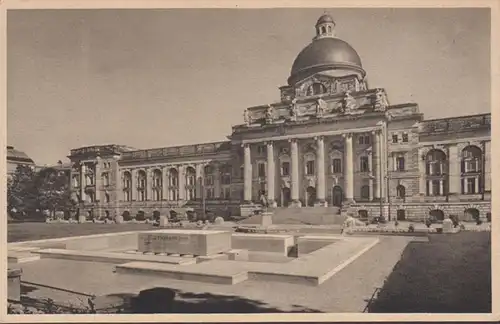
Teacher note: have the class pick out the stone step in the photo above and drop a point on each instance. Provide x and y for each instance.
(208, 272)
(112, 257)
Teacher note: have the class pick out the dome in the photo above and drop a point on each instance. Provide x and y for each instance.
(325, 54)
(325, 19)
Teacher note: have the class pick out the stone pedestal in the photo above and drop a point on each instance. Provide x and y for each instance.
(82, 219)
(267, 219)
(14, 284)
(193, 242)
(448, 226)
(119, 219)
(163, 221)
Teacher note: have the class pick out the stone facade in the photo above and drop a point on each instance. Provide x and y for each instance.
(329, 141)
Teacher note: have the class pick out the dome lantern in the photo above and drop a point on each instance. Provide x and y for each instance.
(325, 27)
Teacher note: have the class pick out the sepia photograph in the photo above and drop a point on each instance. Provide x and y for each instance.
(240, 160)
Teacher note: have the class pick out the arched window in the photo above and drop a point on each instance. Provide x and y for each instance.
(105, 178)
(127, 186)
(173, 177)
(401, 191)
(471, 167)
(316, 89)
(435, 163)
(141, 188)
(190, 183)
(365, 192)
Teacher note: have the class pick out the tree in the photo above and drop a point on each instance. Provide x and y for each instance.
(54, 192)
(22, 194)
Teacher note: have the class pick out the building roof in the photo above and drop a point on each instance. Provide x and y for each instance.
(326, 18)
(17, 156)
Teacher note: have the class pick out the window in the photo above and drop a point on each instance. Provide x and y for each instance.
(361, 140)
(226, 179)
(365, 192)
(173, 194)
(400, 214)
(310, 168)
(191, 195)
(261, 149)
(337, 166)
(400, 163)
(316, 89)
(262, 170)
(405, 137)
(105, 177)
(436, 188)
(400, 191)
(142, 195)
(364, 139)
(367, 139)
(364, 164)
(394, 138)
(76, 182)
(283, 150)
(106, 198)
(209, 180)
(127, 195)
(285, 169)
(209, 193)
(471, 185)
(226, 193)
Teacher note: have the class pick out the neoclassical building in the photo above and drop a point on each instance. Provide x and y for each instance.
(331, 141)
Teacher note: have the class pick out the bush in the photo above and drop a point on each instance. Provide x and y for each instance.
(411, 228)
(454, 219)
(428, 223)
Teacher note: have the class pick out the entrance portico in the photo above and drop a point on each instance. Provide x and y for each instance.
(299, 192)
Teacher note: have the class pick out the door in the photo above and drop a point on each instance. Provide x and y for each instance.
(337, 196)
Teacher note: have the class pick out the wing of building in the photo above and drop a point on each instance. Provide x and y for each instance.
(330, 141)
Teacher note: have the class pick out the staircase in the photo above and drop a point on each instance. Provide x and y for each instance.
(304, 215)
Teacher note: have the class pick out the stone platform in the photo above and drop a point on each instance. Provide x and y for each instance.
(191, 242)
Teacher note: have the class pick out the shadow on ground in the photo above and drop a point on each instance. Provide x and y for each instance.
(450, 274)
(160, 300)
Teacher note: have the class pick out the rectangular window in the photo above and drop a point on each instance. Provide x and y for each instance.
(395, 138)
(471, 185)
(405, 137)
(310, 168)
(227, 193)
(226, 179)
(436, 188)
(364, 164)
(337, 165)
(262, 170)
(400, 163)
(361, 140)
(285, 169)
(209, 181)
(367, 139)
(261, 149)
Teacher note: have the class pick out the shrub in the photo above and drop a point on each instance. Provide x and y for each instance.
(411, 228)
(428, 223)
(478, 221)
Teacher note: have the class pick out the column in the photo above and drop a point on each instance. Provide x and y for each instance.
(82, 181)
(487, 165)
(164, 183)
(376, 156)
(248, 173)
(182, 182)
(199, 181)
(270, 173)
(454, 176)
(476, 185)
(98, 177)
(348, 169)
(370, 173)
(421, 172)
(133, 185)
(149, 184)
(441, 188)
(466, 187)
(320, 170)
(294, 150)
(217, 186)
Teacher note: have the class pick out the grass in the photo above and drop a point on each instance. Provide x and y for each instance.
(450, 274)
(39, 231)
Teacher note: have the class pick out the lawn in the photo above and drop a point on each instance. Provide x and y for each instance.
(449, 274)
(38, 231)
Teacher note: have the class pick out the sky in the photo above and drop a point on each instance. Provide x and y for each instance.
(154, 78)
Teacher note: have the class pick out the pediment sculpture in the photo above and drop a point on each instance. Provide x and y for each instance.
(321, 107)
(269, 114)
(381, 103)
(294, 110)
(349, 103)
(246, 117)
